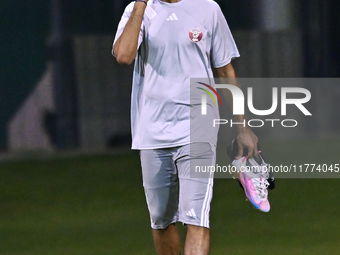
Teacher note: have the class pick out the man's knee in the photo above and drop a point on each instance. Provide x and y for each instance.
(161, 218)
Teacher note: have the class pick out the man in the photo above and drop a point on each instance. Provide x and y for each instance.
(173, 41)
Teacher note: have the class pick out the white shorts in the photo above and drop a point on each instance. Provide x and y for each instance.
(171, 192)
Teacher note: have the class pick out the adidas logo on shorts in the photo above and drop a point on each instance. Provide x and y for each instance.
(191, 213)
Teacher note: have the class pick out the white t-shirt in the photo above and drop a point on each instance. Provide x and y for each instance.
(177, 41)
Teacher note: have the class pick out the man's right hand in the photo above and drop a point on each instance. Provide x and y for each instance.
(125, 48)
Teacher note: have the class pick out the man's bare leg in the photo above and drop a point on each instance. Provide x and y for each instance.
(167, 241)
(197, 241)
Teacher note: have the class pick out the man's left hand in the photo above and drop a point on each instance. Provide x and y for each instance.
(246, 139)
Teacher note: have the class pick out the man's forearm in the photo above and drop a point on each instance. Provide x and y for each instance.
(227, 75)
(246, 138)
(125, 48)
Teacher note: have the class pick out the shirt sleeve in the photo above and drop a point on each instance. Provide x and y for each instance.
(224, 49)
(125, 17)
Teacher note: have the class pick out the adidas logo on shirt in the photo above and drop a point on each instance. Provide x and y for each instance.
(172, 17)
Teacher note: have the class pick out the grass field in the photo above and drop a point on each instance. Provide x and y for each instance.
(96, 205)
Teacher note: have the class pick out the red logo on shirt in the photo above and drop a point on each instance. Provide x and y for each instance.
(195, 35)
